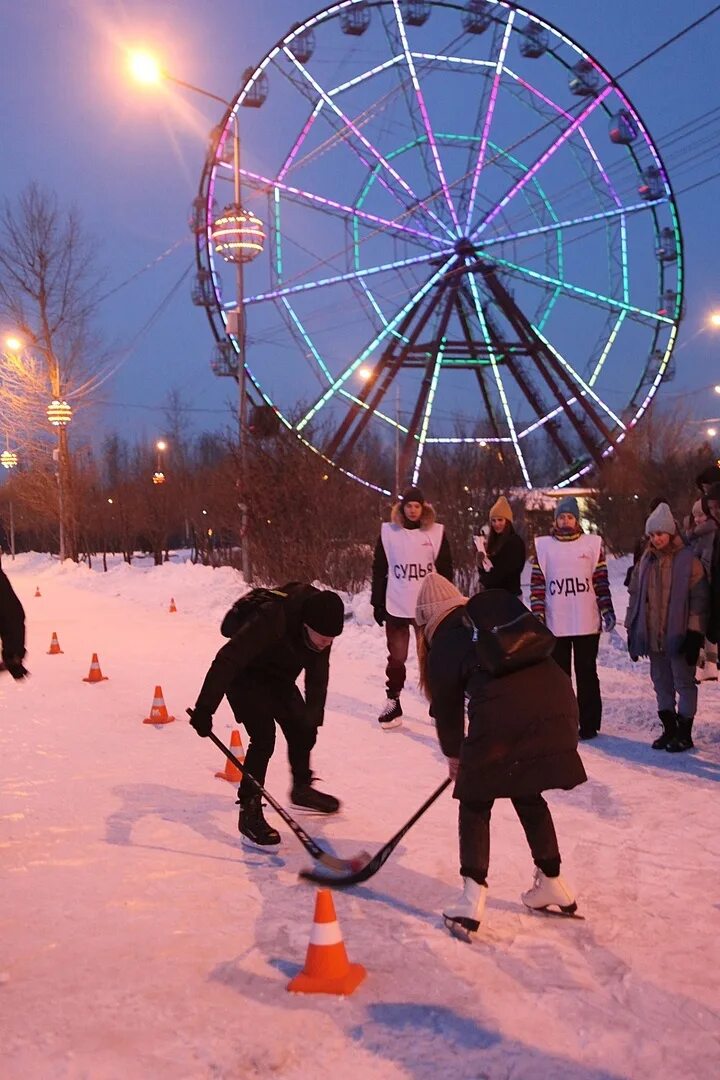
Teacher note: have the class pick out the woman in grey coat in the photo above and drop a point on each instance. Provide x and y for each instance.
(666, 619)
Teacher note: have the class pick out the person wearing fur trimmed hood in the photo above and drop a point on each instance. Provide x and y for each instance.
(501, 557)
(570, 592)
(410, 545)
(521, 740)
(666, 620)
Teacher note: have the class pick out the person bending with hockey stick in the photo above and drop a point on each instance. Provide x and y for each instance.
(271, 642)
(522, 733)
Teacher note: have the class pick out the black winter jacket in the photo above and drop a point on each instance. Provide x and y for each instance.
(12, 622)
(508, 561)
(522, 728)
(271, 648)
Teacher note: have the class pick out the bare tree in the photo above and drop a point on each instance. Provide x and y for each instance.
(48, 290)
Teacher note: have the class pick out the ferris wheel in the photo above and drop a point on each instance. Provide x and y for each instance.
(454, 228)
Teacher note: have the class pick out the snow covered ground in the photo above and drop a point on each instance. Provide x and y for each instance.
(137, 938)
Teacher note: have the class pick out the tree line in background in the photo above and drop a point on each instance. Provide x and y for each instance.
(305, 519)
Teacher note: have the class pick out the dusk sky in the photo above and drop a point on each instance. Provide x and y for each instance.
(130, 158)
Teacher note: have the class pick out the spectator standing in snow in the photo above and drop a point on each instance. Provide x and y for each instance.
(12, 630)
(521, 740)
(410, 545)
(570, 592)
(257, 670)
(666, 619)
(701, 536)
(501, 557)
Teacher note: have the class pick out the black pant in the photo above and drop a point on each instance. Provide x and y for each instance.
(474, 833)
(584, 651)
(258, 706)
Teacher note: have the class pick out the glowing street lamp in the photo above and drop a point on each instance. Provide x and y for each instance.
(13, 344)
(715, 319)
(712, 432)
(144, 67)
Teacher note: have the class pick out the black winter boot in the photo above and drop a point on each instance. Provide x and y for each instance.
(669, 721)
(307, 798)
(253, 826)
(683, 739)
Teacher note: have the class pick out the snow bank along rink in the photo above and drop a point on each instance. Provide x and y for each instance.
(140, 940)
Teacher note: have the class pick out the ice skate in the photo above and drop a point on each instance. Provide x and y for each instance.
(306, 797)
(548, 893)
(253, 827)
(463, 917)
(390, 716)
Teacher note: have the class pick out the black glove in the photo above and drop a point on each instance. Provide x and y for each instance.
(379, 614)
(692, 645)
(201, 720)
(15, 667)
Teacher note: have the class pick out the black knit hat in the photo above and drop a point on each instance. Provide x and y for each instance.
(324, 613)
(413, 494)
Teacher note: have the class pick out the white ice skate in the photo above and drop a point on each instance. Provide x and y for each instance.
(463, 917)
(547, 894)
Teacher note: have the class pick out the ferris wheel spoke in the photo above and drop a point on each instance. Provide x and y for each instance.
(497, 75)
(377, 340)
(383, 375)
(556, 371)
(580, 291)
(541, 161)
(569, 223)
(351, 275)
(322, 203)
(578, 379)
(494, 361)
(424, 114)
(416, 202)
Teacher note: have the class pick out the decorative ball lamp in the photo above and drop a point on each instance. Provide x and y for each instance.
(238, 234)
(8, 459)
(158, 477)
(59, 413)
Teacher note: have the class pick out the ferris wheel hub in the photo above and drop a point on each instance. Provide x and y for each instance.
(465, 248)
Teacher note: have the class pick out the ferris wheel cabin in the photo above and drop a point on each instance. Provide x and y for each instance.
(476, 17)
(356, 21)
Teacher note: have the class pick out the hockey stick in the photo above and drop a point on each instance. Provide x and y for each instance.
(322, 856)
(359, 870)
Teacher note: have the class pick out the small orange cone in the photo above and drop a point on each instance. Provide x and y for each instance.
(54, 645)
(95, 674)
(326, 970)
(231, 772)
(37, 591)
(158, 712)
(172, 605)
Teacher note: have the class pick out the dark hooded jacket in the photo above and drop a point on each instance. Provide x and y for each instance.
(269, 651)
(522, 727)
(443, 563)
(12, 622)
(506, 551)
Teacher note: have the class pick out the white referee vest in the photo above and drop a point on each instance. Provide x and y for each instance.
(411, 555)
(570, 603)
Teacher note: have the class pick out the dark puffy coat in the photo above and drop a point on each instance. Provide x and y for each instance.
(270, 649)
(522, 728)
(443, 563)
(506, 551)
(12, 622)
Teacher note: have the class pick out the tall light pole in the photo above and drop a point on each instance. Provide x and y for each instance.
(238, 237)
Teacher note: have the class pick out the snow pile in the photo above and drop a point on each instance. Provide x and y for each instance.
(137, 938)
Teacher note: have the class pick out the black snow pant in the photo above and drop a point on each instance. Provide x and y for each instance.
(258, 706)
(474, 833)
(584, 651)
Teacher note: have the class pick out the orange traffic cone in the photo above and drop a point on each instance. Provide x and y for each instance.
(54, 645)
(172, 605)
(326, 970)
(95, 674)
(158, 712)
(231, 772)
(37, 591)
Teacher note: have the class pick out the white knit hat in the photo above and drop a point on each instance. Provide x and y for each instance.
(661, 520)
(437, 596)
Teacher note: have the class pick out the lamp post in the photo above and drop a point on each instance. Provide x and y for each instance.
(8, 460)
(159, 474)
(238, 236)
